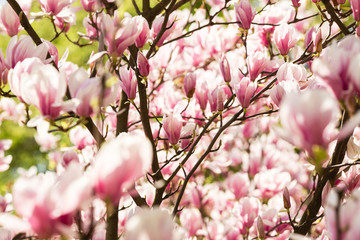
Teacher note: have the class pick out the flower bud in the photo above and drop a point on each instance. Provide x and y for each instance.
(244, 14)
(128, 82)
(296, 3)
(143, 65)
(225, 69)
(317, 39)
(245, 91)
(189, 84)
(286, 198)
(172, 125)
(260, 228)
(285, 38)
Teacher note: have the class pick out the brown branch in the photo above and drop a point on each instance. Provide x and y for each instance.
(25, 22)
(334, 17)
(310, 214)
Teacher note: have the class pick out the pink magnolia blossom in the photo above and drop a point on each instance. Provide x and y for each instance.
(156, 27)
(347, 220)
(81, 137)
(257, 63)
(245, 90)
(271, 182)
(54, 7)
(21, 48)
(248, 210)
(45, 88)
(355, 7)
(201, 94)
(143, 64)
(189, 84)
(150, 224)
(118, 164)
(5, 234)
(49, 202)
(128, 82)
(15, 75)
(90, 5)
(309, 119)
(291, 72)
(66, 18)
(191, 220)
(69, 157)
(239, 184)
(144, 33)
(216, 99)
(225, 69)
(3, 70)
(88, 92)
(285, 38)
(308, 38)
(280, 90)
(9, 20)
(244, 14)
(316, 37)
(337, 69)
(172, 125)
(118, 36)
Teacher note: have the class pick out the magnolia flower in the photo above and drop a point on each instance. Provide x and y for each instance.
(156, 27)
(245, 90)
(244, 14)
(291, 72)
(54, 7)
(172, 125)
(45, 88)
(280, 90)
(189, 84)
(144, 33)
(257, 63)
(9, 20)
(309, 119)
(143, 64)
(225, 69)
(118, 36)
(49, 202)
(150, 224)
(21, 48)
(201, 95)
(118, 164)
(128, 82)
(285, 38)
(90, 5)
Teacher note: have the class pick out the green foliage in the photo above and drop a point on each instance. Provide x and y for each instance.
(24, 150)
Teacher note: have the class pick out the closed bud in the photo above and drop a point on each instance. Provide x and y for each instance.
(296, 3)
(260, 228)
(318, 41)
(172, 125)
(225, 69)
(189, 84)
(286, 198)
(143, 65)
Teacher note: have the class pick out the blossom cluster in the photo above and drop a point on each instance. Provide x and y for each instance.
(220, 121)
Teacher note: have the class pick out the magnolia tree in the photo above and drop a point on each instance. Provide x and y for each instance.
(193, 120)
